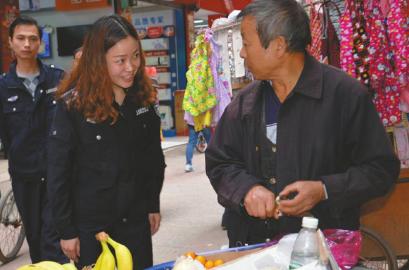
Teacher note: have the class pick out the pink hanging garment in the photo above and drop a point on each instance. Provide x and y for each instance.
(347, 43)
(325, 46)
(316, 33)
(398, 20)
(382, 66)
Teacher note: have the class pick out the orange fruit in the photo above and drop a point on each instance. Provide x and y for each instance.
(201, 259)
(209, 264)
(191, 254)
(218, 262)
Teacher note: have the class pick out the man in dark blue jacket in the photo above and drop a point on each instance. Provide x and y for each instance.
(26, 110)
(303, 131)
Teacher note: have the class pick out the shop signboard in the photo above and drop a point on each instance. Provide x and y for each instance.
(157, 31)
(63, 5)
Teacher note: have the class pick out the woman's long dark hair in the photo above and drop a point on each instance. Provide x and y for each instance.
(94, 95)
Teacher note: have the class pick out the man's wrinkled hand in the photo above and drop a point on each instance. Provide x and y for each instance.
(309, 193)
(260, 202)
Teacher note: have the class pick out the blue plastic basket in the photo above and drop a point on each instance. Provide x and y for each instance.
(169, 265)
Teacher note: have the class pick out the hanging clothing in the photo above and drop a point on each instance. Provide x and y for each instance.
(325, 45)
(200, 92)
(221, 85)
(399, 36)
(347, 30)
(382, 66)
(375, 49)
(316, 34)
(331, 46)
(356, 49)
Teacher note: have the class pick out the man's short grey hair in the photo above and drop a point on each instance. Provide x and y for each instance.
(286, 18)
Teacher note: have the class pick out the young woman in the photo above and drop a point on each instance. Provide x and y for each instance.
(106, 164)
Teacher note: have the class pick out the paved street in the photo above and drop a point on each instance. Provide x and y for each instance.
(190, 214)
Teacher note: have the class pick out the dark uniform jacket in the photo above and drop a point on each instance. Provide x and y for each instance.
(25, 121)
(328, 130)
(98, 172)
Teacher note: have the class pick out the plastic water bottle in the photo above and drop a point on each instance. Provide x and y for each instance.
(305, 248)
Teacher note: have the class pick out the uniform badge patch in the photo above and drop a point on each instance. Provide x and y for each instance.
(12, 99)
(142, 110)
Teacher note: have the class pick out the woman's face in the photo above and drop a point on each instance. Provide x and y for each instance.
(123, 61)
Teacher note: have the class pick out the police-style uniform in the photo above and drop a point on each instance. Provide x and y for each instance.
(106, 177)
(25, 120)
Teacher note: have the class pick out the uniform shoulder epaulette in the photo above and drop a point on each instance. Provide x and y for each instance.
(69, 95)
(2, 76)
(56, 68)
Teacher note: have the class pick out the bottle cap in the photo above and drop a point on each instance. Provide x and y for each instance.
(310, 222)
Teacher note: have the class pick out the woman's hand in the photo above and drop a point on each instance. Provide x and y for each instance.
(154, 220)
(71, 248)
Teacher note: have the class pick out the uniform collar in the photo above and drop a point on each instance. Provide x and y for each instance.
(16, 82)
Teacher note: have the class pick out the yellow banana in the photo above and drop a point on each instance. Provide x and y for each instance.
(30, 267)
(106, 260)
(49, 265)
(123, 255)
(69, 266)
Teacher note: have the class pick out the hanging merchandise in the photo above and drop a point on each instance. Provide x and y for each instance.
(325, 44)
(316, 33)
(221, 84)
(374, 49)
(384, 80)
(200, 94)
(398, 21)
(347, 44)
(355, 42)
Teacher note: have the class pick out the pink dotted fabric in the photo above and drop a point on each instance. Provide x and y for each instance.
(386, 25)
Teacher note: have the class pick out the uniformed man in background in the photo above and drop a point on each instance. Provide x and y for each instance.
(26, 111)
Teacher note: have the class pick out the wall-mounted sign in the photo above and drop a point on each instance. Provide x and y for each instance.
(79, 4)
(153, 18)
(155, 32)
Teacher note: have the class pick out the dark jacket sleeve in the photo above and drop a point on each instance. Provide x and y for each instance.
(60, 171)
(156, 173)
(3, 133)
(225, 163)
(374, 166)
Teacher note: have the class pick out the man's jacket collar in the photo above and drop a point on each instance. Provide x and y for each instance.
(310, 81)
(14, 81)
(309, 84)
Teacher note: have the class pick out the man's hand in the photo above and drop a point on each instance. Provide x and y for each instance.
(71, 248)
(154, 220)
(260, 202)
(309, 193)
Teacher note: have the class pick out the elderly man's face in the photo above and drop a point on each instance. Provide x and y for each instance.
(258, 60)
